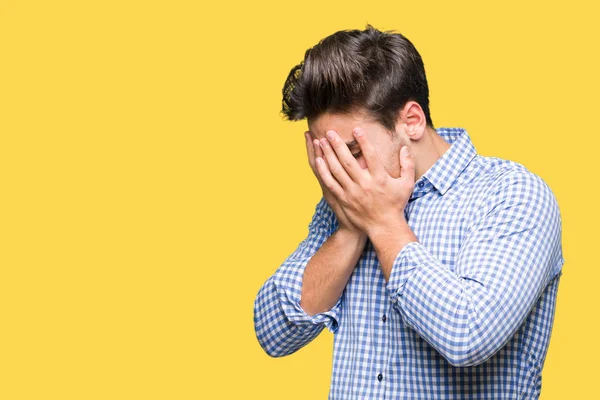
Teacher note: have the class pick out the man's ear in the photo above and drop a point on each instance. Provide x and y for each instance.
(411, 120)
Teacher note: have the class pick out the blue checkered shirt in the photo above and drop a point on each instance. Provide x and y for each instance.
(468, 310)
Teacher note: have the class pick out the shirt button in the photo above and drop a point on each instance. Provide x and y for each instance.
(421, 184)
(383, 318)
(379, 377)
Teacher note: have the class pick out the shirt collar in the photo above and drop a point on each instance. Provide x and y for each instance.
(444, 172)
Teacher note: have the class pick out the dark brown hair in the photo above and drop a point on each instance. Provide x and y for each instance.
(353, 69)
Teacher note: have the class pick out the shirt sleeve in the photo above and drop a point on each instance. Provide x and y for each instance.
(507, 258)
(281, 324)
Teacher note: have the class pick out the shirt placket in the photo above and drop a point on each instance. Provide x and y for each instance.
(388, 346)
(380, 341)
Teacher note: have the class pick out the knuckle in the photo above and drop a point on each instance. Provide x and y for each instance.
(367, 189)
(349, 195)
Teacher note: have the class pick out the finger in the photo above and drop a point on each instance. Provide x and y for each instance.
(317, 146)
(407, 165)
(368, 151)
(335, 167)
(318, 153)
(328, 180)
(345, 157)
(310, 150)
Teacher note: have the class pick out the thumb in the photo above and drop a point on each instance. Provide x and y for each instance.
(407, 165)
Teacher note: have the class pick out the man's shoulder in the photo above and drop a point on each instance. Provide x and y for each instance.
(509, 182)
(495, 169)
(516, 196)
(499, 174)
(502, 183)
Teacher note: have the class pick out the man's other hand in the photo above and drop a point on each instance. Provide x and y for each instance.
(314, 150)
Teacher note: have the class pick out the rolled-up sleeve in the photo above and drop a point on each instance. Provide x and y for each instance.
(281, 324)
(507, 258)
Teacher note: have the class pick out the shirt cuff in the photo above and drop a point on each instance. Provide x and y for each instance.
(289, 292)
(408, 260)
(329, 318)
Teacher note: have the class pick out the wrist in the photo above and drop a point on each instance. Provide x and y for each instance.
(388, 241)
(399, 232)
(352, 235)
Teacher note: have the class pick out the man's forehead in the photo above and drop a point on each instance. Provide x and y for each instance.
(319, 131)
(341, 123)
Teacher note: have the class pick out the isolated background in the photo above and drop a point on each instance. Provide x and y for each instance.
(150, 186)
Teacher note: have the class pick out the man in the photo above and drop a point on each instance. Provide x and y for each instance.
(436, 268)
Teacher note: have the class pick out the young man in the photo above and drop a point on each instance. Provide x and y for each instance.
(436, 268)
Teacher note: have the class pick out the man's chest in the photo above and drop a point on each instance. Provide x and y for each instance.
(441, 223)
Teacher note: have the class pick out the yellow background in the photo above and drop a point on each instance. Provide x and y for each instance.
(149, 185)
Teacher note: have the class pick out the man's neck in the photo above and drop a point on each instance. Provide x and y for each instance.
(434, 147)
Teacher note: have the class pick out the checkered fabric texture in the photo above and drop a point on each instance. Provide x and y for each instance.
(468, 310)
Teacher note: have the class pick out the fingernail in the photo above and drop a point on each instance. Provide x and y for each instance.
(405, 151)
(324, 142)
(358, 132)
(330, 135)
